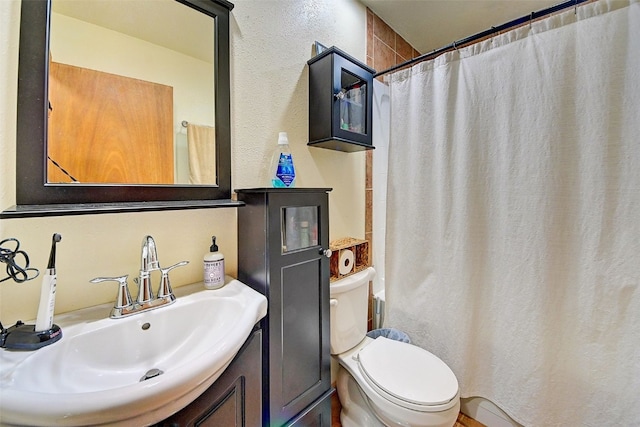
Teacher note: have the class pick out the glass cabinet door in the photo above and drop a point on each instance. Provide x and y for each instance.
(299, 227)
(353, 103)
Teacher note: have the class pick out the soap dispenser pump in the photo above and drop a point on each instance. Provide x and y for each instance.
(213, 267)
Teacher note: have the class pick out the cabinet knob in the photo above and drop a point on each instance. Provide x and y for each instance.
(325, 252)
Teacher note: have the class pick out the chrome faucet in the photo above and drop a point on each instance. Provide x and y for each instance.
(145, 300)
(148, 263)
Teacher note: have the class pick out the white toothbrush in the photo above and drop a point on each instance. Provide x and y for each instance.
(44, 321)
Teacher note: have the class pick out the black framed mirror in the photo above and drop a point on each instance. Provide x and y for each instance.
(38, 196)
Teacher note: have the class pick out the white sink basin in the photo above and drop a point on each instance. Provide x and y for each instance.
(92, 376)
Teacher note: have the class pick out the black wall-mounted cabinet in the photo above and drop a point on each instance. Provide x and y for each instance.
(283, 235)
(340, 102)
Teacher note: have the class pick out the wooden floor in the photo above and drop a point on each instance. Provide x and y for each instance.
(462, 421)
(465, 421)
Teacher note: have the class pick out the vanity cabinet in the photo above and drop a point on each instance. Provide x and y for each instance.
(283, 237)
(340, 102)
(234, 399)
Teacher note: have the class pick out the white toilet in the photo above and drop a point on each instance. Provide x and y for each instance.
(382, 382)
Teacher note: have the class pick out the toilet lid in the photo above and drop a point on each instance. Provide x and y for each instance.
(407, 374)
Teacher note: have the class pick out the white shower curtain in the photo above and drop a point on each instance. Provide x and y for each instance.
(513, 216)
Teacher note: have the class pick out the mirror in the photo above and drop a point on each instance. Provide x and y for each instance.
(55, 48)
(130, 83)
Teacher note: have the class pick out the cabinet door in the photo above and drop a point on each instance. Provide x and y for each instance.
(299, 355)
(351, 114)
(318, 415)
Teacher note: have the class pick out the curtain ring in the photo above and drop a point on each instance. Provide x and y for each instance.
(530, 20)
(454, 46)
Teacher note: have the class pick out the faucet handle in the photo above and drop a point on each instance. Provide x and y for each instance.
(165, 287)
(124, 297)
(179, 264)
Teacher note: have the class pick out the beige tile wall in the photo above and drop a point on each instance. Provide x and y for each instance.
(385, 47)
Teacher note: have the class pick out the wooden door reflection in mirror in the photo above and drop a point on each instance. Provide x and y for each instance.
(105, 128)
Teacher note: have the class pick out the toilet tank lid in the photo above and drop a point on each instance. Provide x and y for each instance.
(352, 281)
(411, 376)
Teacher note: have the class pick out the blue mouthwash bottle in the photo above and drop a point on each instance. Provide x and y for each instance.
(283, 171)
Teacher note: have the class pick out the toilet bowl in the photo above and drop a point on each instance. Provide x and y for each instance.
(382, 382)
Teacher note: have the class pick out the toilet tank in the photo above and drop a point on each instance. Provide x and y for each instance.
(349, 310)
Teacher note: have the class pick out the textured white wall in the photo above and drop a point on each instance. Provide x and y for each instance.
(271, 42)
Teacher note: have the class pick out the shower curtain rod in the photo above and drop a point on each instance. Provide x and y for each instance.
(476, 37)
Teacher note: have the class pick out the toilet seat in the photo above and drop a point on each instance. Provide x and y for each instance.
(407, 375)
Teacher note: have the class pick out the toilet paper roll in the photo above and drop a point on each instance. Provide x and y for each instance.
(345, 263)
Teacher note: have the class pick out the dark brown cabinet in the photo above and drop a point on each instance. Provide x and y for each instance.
(235, 399)
(282, 238)
(340, 102)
